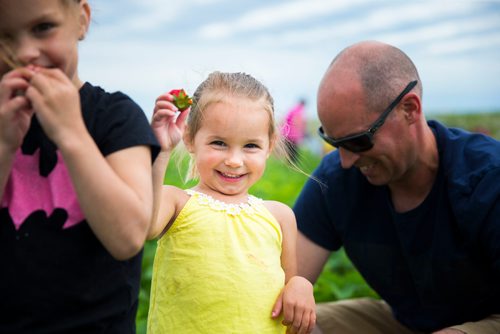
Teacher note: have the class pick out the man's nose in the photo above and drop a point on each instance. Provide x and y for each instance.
(347, 158)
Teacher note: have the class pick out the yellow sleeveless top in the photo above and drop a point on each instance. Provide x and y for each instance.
(217, 270)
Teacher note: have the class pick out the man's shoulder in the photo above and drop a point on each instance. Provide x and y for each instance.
(464, 155)
(470, 163)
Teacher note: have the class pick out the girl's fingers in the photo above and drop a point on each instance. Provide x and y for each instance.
(12, 87)
(162, 113)
(18, 103)
(304, 324)
(278, 305)
(40, 82)
(297, 321)
(22, 72)
(165, 97)
(312, 322)
(54, 73)
(162, 104)
(46, 79)
(181, 119)
(13, 81)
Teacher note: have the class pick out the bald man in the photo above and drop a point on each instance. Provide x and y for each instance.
(415, 204)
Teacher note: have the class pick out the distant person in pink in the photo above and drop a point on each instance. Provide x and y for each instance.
(294, 129)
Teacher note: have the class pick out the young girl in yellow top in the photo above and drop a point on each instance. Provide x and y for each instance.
(225, 261)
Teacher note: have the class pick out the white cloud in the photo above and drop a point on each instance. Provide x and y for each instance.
(270, 16)
(485, 41)
(145, 16)
(366, 25)
(445, 30)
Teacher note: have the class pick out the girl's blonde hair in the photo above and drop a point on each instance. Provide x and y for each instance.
(220, 86)
(7, 54)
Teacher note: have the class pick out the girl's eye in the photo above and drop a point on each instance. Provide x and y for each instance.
(252, 146)
(218, 143)
(43, 27)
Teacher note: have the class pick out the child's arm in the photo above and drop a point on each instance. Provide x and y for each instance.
(296, 300)
(15, 118)
(168, 130)
(114, 192)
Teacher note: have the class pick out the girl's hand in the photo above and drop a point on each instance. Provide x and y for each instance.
(167, 126)
(56, 102)
(15, 108)
(296, 300)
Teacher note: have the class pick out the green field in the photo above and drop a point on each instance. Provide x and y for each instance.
(339, 279)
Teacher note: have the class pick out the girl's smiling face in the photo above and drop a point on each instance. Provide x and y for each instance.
(231, 148)
(44, 33)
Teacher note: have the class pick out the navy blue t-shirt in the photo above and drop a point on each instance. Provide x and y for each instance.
(56, 276)
(437, 265)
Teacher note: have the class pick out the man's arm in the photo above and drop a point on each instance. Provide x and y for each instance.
(310, 258)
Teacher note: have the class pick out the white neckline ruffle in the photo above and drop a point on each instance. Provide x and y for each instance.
(229, 208)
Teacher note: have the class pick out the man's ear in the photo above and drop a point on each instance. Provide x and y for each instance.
(412, 108)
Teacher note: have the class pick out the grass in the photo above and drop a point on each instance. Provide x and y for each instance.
(488, 123)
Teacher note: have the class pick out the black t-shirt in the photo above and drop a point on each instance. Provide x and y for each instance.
(437, 265)
(56, 276)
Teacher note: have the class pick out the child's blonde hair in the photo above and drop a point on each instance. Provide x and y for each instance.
(7, 54)
(220, 86)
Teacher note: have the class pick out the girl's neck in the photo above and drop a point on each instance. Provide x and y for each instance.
(226, 198)
(77, 82)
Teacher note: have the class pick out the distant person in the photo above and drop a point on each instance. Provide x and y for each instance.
(294, 129)
(226, 260)
(482, 129)
(75, 181)
(415, 204)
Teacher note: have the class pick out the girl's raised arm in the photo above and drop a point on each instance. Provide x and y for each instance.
(168, 129)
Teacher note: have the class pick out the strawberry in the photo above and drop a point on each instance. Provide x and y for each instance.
(181, 100)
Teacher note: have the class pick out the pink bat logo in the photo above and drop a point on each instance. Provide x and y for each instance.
(27, 191)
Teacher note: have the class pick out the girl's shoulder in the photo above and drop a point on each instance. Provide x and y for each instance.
(173, 201)
(282, 212)
(178, 195)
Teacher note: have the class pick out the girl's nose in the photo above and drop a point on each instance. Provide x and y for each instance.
(347, 158)
(234, 160)
(27, 51)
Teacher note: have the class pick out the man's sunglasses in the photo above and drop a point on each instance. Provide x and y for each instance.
(363, 141)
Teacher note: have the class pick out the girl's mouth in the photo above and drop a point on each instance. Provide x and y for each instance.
(230, 177)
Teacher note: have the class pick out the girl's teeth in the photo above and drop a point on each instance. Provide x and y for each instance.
(230, 176)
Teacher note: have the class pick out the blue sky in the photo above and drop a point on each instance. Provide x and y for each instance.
(147, 47)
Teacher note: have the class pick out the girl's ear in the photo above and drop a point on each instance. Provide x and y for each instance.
(188, 143)
(84, 18)
(272, 144)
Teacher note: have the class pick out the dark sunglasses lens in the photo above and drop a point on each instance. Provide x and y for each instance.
(360, 143)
